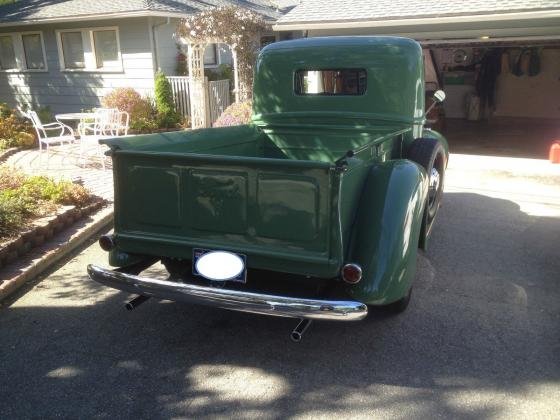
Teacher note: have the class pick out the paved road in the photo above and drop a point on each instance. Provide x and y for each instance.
(481, 338)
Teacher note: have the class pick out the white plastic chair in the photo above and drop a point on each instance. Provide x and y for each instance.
(123, 120)
(102, 126)
(64, 134)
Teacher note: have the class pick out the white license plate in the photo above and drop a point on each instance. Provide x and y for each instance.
(219, 266)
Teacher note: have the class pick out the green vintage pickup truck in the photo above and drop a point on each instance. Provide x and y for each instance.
(315, 210)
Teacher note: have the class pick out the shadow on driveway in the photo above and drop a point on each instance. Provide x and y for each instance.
(480, 339)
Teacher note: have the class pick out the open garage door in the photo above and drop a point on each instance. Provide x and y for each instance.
(503, 95)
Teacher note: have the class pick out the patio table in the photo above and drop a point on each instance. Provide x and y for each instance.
(74, 116)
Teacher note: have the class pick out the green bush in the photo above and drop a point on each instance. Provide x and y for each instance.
(143, 115)
(25, 197)
(15, 131)
(167, 117)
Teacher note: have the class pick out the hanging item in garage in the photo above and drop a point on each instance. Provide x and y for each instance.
(505, 63)
(534, 62)
(487, 76)
(522, 63)
(528, 62)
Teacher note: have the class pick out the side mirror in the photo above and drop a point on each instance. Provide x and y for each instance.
(439, 96)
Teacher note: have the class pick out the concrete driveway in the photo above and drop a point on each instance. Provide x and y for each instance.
(481, 338)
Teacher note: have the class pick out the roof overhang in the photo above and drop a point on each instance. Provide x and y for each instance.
(104, 16)
(99, 16)
(343, 24)
(499, 41)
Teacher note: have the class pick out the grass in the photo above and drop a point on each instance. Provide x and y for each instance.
(24, 198)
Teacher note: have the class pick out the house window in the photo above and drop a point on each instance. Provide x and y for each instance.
(211, 55)
(22, 51)
(106, 48)
(73, 50)
(33, 51)
(7, 53)
(94, 49)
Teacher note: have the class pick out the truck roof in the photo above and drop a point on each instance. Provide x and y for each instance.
(392, 67)
(341, 41)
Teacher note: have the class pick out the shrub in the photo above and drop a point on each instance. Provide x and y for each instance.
(15, 131)
(167, 117)
(142, 112)
(11, 215)
(238, 113)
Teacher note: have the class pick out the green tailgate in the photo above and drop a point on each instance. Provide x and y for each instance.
(278, 212)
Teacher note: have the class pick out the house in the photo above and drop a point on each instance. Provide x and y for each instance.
(68, 54)
(519, 38)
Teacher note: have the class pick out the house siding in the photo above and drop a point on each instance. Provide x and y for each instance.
(166, 45)
(73, 91)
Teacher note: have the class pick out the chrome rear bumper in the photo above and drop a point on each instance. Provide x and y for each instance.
(258, 303)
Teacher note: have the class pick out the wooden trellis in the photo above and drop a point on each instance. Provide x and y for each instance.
(238, 28)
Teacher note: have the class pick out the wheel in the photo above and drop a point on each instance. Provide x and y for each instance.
(430, 154)
(400, 305)
(394, 308)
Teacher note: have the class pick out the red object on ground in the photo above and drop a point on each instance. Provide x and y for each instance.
(554, 155)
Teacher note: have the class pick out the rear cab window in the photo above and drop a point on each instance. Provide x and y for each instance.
(330, 82)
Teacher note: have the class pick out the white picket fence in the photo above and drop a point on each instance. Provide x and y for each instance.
(218, 96)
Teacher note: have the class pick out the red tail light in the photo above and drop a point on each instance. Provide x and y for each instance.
(351, 273)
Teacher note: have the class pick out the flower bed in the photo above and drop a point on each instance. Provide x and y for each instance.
(40, 230)
(33, 207)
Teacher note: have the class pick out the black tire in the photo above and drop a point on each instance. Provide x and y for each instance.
(400, 305)
(430, 154)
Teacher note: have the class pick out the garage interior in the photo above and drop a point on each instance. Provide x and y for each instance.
(502, 95)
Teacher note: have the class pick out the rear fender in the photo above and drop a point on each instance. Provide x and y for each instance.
(385, 234)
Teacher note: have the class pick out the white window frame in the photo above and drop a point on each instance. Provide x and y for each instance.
(19, 52)
(88, 44)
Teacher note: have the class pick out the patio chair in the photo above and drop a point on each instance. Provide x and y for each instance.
(51, 133)
(103, 125)
(123, 121)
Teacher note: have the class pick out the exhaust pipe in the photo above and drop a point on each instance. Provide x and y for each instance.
(137, 301)
(299, 330)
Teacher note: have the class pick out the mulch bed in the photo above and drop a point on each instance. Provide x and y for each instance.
(43, 229)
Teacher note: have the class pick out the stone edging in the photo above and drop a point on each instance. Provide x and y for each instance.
(43, 230)
(101, 220)
(9, 152)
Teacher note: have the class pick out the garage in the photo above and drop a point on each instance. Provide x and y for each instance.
(502, 96)
(498, 63)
